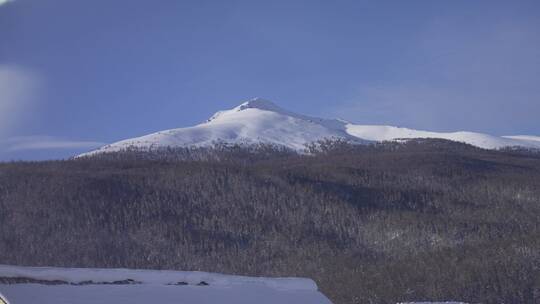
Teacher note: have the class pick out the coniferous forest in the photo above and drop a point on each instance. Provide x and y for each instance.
(381, 223)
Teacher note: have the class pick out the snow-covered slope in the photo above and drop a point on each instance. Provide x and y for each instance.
(382, 133)
(83, 285)
(261, 121)
(255, 121)
(529, 138)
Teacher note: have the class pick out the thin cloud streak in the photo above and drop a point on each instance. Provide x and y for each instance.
(24, 143)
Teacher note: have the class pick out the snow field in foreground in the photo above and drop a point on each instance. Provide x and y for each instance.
(153, 286)
(157, 294)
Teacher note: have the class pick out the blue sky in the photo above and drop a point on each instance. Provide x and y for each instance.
(75, 74)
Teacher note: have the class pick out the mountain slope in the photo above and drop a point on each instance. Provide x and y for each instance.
(261, 121)
(382, 133)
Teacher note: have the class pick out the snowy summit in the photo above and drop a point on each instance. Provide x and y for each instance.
(261, 121)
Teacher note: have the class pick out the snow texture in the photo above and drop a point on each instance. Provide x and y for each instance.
(163, 277)
(153, 286)
(261, 121)
(156, 294)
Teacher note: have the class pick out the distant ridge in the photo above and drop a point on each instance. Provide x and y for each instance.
(261, 121)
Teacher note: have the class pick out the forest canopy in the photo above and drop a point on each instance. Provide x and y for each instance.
(381, 223)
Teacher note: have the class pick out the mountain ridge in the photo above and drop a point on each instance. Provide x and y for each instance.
(261, 121)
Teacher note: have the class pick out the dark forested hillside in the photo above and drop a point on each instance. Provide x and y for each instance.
(422, 220)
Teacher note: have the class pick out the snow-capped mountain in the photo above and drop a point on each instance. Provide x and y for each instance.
(261, 121)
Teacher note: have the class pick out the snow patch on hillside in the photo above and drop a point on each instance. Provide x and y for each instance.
(389, 133)
(525, 138)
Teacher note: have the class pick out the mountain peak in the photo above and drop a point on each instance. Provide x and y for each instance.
(255, 103)
(259, 103)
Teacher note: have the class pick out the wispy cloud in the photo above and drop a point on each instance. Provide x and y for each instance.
(18, 92)
(25, 143)
(19, 96)
(5, 1)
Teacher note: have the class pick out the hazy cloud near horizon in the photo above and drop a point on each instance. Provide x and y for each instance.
(21, 143)
(18, 91)
(43, 147)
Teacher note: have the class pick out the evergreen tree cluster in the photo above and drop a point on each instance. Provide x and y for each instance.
(381, 223)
